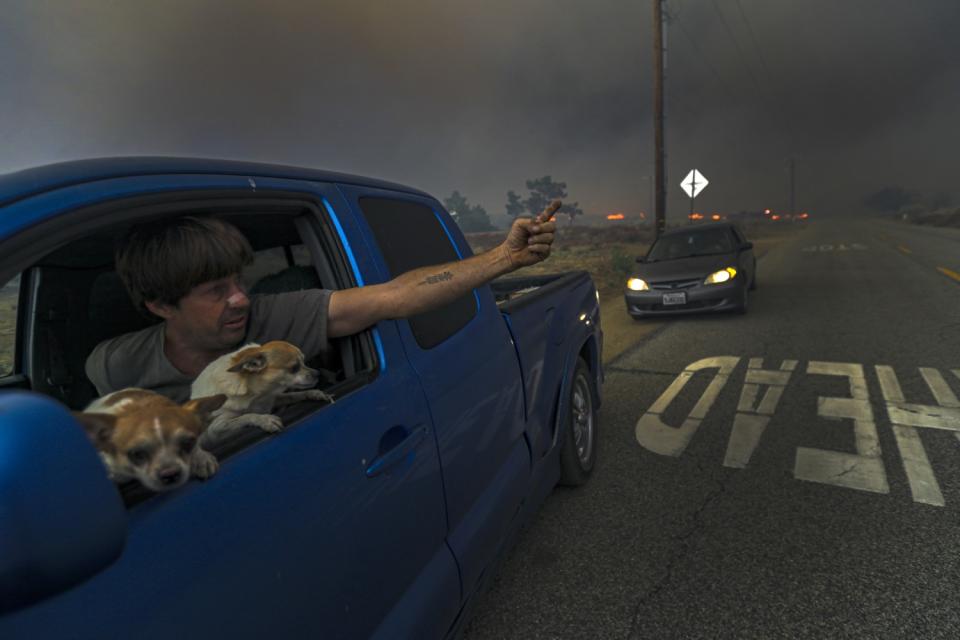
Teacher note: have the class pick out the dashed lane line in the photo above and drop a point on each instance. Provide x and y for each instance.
(949, 273)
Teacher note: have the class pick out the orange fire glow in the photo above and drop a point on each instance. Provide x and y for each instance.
(615, 216)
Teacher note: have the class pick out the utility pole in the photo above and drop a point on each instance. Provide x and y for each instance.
(693, 189)
(660, 64)
(792, 161)
(650, 192)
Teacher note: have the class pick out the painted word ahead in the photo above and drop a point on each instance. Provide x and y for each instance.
(760, 395)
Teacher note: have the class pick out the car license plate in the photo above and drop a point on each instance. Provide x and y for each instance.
(675, 298)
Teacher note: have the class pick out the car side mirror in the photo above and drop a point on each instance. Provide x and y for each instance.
(746, 245)
(63, 519)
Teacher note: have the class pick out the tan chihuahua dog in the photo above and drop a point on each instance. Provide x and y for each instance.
(145, 436)
(255, 378)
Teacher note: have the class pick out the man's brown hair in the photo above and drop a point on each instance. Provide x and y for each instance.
(162, 261)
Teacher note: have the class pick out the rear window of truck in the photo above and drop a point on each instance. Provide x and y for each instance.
(411, 236)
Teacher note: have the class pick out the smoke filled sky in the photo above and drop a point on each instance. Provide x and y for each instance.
(481, 96)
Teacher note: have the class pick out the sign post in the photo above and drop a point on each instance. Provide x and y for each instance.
(693, 184)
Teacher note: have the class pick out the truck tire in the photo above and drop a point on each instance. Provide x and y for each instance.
(579, 449)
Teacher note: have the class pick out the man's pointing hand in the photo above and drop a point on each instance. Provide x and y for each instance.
(529, 241)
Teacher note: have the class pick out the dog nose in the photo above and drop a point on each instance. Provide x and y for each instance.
(170, 476)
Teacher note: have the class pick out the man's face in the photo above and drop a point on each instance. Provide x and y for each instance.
(213, 315)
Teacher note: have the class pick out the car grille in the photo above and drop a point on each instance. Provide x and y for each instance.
(696, 304)
(674, 285)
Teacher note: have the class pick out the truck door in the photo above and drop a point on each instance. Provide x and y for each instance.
(334, 528)
(465, 359)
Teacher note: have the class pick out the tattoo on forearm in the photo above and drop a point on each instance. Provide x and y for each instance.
(440, 277)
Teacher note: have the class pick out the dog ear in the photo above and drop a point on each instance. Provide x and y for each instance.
(253, 364)
(203, 407)
(99, 427)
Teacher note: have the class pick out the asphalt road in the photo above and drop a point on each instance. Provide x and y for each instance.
(756, 501)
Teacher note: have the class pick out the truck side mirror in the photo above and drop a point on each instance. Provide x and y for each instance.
(746, 245)
(63, 519)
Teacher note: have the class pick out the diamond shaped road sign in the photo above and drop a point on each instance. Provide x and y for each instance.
(694, 183)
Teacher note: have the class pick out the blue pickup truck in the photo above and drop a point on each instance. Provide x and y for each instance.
(378, 516)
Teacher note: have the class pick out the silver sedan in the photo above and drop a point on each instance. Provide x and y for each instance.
(707, 267)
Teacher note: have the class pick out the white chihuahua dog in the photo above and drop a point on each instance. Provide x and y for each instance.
(144, 435)
(255, 379)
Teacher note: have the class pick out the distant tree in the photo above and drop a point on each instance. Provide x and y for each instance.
(571, 210)
(938, 201)
(470, 217)
(891, 199)
(542, 191)
(515, 205)
(456, 203)
(476, 219)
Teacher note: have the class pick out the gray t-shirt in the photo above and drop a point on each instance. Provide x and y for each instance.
(137, 359)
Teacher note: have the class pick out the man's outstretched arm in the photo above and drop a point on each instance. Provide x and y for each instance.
(353, 310)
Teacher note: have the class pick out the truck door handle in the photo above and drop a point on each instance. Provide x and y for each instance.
(395, 445)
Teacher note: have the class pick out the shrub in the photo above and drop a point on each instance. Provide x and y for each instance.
(621, 263)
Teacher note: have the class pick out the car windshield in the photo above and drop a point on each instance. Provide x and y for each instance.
(692, 243)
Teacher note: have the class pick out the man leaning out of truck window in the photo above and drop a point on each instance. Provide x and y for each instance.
(187, 271)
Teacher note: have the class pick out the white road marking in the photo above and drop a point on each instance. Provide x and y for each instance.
(938, 386)
(748, 426)
(906, 417)
(652, 433)
(923, 483)
(863, 470)
(956, 372)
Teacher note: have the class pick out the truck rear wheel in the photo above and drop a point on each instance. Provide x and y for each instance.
(579, 450)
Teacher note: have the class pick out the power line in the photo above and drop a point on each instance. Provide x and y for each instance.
(675, 17)
(762, 95)
(771, 96)
(753, 37)
(736, 44)
(694, 114)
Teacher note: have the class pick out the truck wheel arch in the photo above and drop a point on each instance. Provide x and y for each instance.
(589, 353)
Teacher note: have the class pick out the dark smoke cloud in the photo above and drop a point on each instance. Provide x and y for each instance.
(478, 97)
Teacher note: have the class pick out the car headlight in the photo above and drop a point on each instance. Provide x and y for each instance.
(636, 284)
(724, 275)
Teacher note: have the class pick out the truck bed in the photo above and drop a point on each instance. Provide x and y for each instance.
(513, 293)
(542, 313)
